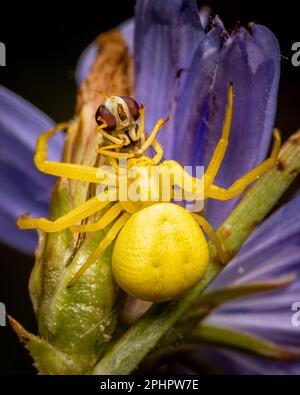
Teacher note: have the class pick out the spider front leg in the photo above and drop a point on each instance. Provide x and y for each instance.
(180, 178)
(67, 170)
(150, 140)
(240, 184)
(110, 236)
(107, 218)
(199, 187)
(84, 210)
(159, 152)
(222, 145)
(208, 229)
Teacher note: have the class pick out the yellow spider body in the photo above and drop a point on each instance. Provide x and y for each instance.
(161, 251)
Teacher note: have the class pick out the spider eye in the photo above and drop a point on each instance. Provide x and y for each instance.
(132, 105)
(103, 113)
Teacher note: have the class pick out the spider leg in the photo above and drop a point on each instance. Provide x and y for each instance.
(240, 184)
(208, 229)
(159, 124)
(107, 218)
(84, 210)
(191, 186)
(114, 165)
(110, 236)
(67, 170)
(221, 147)
(159, 152)
(182, 179)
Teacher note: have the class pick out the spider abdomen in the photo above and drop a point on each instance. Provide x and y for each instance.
(160, 253)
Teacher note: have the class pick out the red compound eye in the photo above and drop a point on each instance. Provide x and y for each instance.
(103, 113)
(132, 105)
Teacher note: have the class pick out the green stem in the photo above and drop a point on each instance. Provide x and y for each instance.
(262, 197)
(211, 300)
(142, 337)
(225, 337)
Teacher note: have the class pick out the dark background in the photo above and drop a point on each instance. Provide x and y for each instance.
(43, 43)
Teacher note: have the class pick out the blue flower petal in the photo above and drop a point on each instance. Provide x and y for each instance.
(204, 13)
(193, 107)
(89, 55)
(251, 60)
(272, 251)
(85, 62)
(166, 36)
(127, 30)
(24, 122)
(24, 188)
(23, 195)
(14, 237)
(234, 362)
(278, 237)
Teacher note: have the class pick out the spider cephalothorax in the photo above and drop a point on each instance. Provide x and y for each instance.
(151, 232)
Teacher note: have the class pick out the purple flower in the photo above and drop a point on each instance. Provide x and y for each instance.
(273, 250)
(183, 71)
(24, 188)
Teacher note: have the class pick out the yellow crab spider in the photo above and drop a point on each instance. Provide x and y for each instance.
(160, 250)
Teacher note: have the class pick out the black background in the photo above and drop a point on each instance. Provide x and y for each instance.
(43, 43)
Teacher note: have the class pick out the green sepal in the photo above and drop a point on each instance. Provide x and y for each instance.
(47, 358)
(78, 321)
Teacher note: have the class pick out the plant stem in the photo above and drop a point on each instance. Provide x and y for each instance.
(238, 340)
(211, 300)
